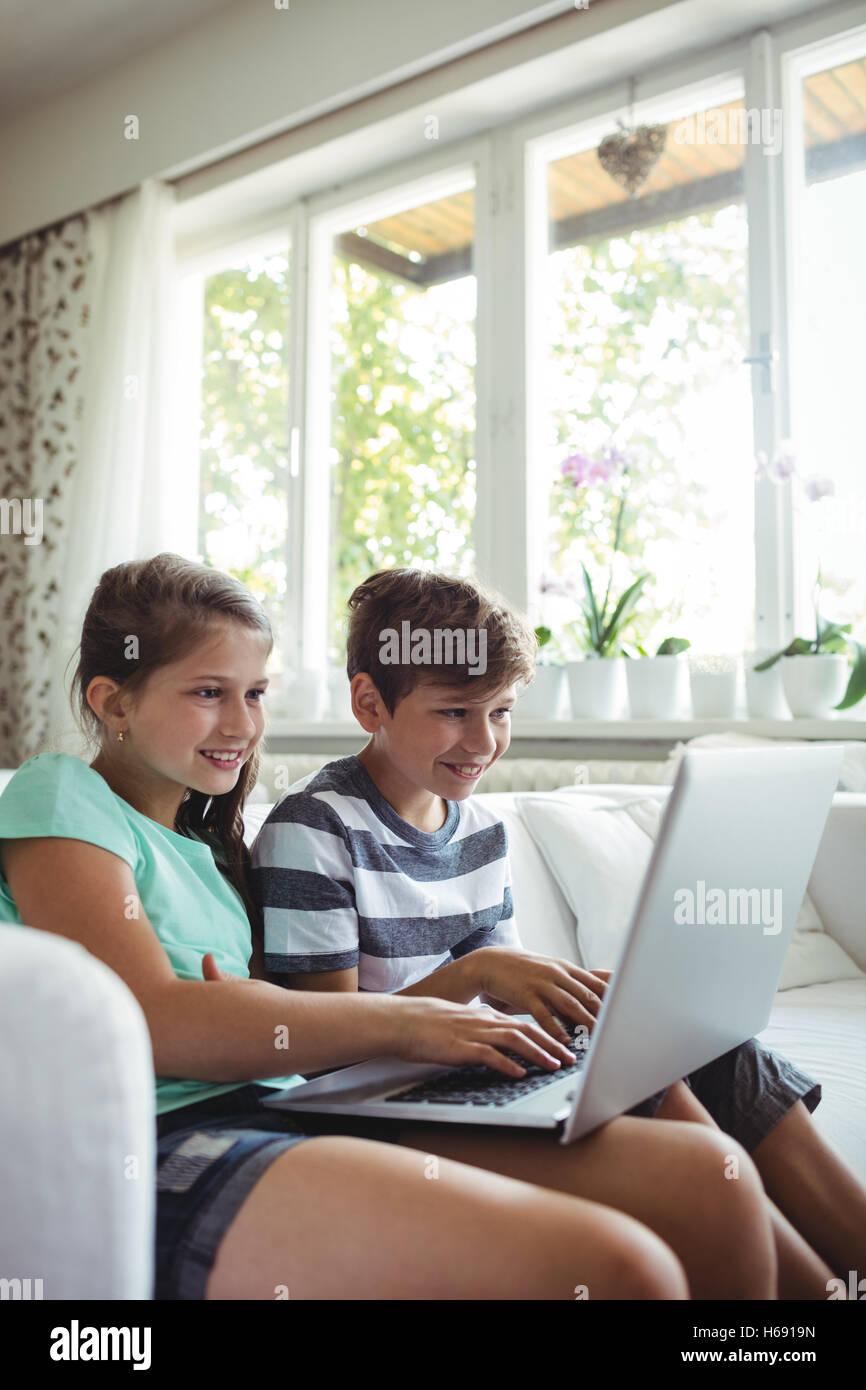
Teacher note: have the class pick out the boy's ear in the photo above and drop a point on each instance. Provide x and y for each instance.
(367, 704)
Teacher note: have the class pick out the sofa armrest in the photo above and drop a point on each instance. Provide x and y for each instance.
(77, 1189)
(838, 882)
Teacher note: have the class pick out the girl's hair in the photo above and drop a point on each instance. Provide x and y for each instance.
(147, 614)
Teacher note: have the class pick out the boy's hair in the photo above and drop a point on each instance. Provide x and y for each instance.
(169, 605)
(431, 600)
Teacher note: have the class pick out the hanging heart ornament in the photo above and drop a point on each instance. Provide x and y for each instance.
(629, 156)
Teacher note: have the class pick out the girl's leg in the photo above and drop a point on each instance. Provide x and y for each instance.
(802, 1272)
(339, 1217)
(673, 1178)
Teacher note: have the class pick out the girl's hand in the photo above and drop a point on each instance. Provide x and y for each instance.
(211, 971)
(438, 1030)
(546, 987)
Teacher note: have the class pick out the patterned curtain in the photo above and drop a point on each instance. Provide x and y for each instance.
(45, 281)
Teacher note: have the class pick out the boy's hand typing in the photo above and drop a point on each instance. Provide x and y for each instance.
(544, 986)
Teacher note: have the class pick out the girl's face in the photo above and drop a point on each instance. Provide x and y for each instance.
(197, 721)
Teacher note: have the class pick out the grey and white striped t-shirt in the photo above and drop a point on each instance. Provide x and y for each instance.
(344, 881)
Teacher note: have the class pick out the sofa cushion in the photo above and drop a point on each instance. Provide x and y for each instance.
(852, 775)
(813, 957)
(822, 1029)
(599, 855)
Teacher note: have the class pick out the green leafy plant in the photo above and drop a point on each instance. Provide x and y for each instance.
(829, 638)
(602, 634)
(671, 646)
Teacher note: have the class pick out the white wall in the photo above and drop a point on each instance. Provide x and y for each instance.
(252, 71)
(248, 72)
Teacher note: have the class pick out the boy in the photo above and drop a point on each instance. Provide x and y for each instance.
(379, 872)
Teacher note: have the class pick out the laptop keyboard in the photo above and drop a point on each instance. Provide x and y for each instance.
(482, 1085)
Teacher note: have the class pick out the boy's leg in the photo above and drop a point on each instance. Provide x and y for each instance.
(764, 1101)
(802, 1272)
(671, 1177)
(808, 1179)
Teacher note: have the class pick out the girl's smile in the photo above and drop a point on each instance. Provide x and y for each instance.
(184, 730)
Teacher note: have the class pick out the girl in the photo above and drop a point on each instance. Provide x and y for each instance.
(253, 1203)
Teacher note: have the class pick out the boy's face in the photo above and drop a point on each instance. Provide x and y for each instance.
(443, 738)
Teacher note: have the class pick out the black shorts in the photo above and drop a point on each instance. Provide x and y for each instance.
(210, 1155)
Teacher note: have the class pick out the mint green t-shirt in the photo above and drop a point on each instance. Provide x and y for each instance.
(192, 907)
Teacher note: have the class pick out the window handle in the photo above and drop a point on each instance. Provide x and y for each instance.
(765, 358)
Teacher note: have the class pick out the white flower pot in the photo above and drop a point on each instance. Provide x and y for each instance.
(543, 698)
(814, 683)
(654, 685)
(595, 686)
(765, 697)
(713, 684)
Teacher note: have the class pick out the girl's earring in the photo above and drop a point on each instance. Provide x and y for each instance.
(120, 736)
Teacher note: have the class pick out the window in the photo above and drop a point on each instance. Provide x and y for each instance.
(645, 331)
(244, 445)
(828, 487)
(341, 431)
(401, 447)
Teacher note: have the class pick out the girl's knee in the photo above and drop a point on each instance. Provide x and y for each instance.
(628, 1260)
(649, 1269)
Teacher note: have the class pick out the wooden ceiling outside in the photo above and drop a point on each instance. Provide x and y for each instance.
(433, 243)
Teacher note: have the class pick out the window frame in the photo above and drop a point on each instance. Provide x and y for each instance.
(510, 234)
(463, 164)
(795, 53)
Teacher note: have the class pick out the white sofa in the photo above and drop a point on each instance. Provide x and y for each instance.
(76, 1105)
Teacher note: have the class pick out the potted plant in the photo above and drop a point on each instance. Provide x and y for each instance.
(713, 684)
(765, 697)
(595, 681)
(816, 671)
(542, 699)
(655, 682)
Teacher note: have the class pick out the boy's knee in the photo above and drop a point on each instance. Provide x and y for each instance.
(738, 1218)
(724, 1159)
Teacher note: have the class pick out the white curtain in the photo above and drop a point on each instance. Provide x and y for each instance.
(135, 484)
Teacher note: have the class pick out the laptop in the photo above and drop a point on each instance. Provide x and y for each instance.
(696, 974)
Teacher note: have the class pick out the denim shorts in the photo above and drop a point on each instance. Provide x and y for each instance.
(208, 1158)
(210, 1155)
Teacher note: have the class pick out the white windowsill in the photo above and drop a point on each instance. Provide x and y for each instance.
(843, 726)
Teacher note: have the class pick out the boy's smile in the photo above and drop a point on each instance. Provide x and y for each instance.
(437, 746)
